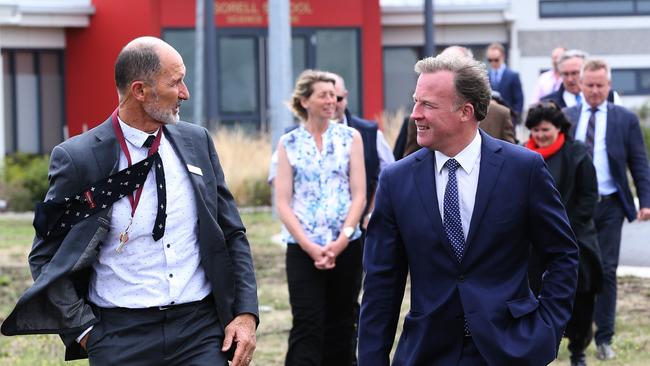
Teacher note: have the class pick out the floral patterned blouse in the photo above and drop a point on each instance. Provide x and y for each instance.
(321, 182)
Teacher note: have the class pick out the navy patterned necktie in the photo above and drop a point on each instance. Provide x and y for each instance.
(452, 222)
(591, 132)
(161, 214)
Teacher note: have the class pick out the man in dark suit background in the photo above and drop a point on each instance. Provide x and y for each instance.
(164, 278)
(459, 217)
(614, 137)
(503, 79)
(569, 93)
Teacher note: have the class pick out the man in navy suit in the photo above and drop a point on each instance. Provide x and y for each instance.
(616, 142)
(503, 79)
(460, 216)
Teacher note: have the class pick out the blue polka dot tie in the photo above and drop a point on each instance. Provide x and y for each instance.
(452, 223)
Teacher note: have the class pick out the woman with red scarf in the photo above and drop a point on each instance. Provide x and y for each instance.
(575, 178)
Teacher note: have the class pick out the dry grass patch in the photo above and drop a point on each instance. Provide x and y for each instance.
(245, 158)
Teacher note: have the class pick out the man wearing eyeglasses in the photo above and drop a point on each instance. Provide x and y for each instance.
(503, 79)
(569, 94)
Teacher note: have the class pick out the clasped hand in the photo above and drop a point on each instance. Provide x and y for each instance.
(325, 256)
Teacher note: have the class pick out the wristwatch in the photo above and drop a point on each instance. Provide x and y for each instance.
(348, 231)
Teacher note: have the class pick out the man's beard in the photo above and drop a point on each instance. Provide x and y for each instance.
(156, 112)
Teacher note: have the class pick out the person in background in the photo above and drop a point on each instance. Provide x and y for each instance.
(550, 80)
(503, 79)
(575, 178)
(614, 139)
(569, 93)
(320, 191)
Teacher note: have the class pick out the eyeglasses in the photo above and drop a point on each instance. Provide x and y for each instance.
(570, 73)
(339, 98)
(490, 60)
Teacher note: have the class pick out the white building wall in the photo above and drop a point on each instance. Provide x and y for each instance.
(622, 41)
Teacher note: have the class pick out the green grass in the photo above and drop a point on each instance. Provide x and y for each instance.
(632, 342)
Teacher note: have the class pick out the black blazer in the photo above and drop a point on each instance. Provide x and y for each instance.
(56, 302)
(575, 179)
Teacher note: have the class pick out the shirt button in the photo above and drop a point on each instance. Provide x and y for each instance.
(173, 302)
(169, 245)
(461, 278)
(171, 275)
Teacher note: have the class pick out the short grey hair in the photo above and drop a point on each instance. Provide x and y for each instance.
(470, 80)
(572, 54)
(595, 65)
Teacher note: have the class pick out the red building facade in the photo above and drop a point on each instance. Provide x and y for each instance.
(342, 36)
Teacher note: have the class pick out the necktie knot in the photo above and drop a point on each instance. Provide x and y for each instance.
(593, 110)
(452, 165)
(149, 141)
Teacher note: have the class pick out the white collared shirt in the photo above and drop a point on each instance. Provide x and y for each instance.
(467, 177)
(606, 184)
(571, 99)
(151, 273)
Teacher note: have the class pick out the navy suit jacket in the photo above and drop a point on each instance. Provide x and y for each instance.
(510, 89)
(625, 149)
(516, 206)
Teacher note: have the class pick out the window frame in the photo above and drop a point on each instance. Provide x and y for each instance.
(588, 12)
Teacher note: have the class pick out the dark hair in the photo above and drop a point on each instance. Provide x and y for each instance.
(135, 63)
(550, 112)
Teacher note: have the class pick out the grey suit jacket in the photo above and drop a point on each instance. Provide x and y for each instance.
(56, 302)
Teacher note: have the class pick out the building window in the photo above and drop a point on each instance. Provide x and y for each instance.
(592, 8)
(399, 74)
(33, 100)
(242, 74)
(338, 51)
(631, 81)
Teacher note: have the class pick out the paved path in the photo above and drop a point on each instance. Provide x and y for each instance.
(635, 249)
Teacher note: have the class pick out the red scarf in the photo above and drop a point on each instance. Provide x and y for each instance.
(548, 151)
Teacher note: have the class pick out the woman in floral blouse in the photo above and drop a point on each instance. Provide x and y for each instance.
(320, 195)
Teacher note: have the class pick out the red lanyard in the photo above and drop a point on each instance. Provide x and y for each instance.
(152, 150)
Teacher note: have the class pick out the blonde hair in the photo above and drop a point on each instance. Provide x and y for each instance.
(305, 87)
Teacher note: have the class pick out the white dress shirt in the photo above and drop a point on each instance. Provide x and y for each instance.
(606, 184)
(151, 273)
(467, 178)
(571, 99)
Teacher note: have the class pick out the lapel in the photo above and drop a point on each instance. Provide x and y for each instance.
(182, 144)
(491, 162)
(106, 149)
(611, 130)
(425, 182)
(574, 116)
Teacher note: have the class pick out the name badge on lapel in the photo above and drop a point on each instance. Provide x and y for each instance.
(194, 169)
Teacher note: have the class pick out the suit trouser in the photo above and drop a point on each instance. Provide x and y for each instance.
(609, 224)
(322, 305)
(188, 334)
(579, 329)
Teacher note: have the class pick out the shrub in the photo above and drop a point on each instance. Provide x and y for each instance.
(25, 180)
(245, 157)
